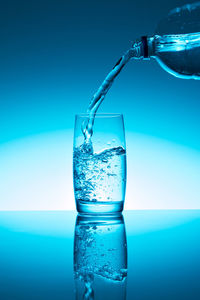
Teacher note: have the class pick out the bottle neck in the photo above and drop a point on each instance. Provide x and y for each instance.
(148, 47)
(143, 48)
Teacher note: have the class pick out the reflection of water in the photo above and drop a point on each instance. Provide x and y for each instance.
(100, 258)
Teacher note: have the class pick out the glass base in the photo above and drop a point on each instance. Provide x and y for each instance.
(86, 207)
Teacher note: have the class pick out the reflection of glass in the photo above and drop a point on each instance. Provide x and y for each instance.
(99, 164)
(100, 258)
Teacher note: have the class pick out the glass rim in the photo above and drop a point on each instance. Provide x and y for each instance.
(100, 115)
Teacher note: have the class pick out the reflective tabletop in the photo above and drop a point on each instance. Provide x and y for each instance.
(134, 256)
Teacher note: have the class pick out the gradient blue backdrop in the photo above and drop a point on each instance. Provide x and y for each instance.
(54, 55)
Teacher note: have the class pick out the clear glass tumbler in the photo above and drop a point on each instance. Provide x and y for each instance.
(99, 164)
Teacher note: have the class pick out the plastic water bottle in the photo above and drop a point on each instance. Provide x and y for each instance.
(176, 43)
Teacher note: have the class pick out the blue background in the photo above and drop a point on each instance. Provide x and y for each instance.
(54, 55)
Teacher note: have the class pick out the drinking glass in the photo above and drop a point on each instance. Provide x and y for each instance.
(100, 257)
(99, 164)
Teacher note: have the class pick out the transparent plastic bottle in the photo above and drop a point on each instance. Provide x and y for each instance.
(176, 43)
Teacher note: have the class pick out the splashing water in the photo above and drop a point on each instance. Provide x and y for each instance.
(99, 177)
(98, 97)
(89, 292)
